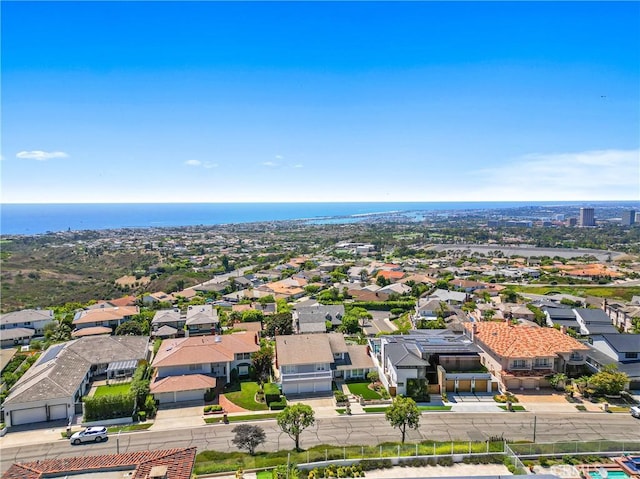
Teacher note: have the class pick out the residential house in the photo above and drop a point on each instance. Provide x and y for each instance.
(10, 338)
(313, 319)
(54, 385)
(168, 323)
(449, 297)
(562, 318)
(623, 350)
(466, 285)
(33, 320)
(521, 357)
(104, 317)
(593, 321)
(289, 288)
(186, 368)
(201, 319)
(427, 309)
(307, 363)
(446, 360)
(162, 464)
(395, 288)
(157, 297)
(390, 275)
(622, 314)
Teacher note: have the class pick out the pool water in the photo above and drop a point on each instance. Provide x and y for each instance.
(610, 475)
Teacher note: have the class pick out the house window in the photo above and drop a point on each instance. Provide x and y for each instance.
(241, 356)
(631, 355)
(542, 363)
(289, 369)
(321, 367)
(519, 364)
(195, 367)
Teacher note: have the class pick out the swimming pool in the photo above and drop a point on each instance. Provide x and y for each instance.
(610, 475)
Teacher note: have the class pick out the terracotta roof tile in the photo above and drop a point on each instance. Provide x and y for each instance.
(524, 341)
(179, 464)
(204, 349)
(187, 382)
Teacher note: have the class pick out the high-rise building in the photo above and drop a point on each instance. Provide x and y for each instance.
(587, 217)
(628, 217)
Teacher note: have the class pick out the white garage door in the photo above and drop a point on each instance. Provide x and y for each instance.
(307, 387)
(190, 395)
(164, 398)
(59, 411)
(27, 416)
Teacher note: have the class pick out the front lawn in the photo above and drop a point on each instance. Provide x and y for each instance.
(434, 408)
(362, 389)
(241, 418)
(112, 390)
(245, 396)
(514, 407)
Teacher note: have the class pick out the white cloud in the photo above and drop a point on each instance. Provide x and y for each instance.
(269, 164)
(596, 175)
(208, 164)
(193, 163)
(40, 155)
(298, 166)
(279, 157)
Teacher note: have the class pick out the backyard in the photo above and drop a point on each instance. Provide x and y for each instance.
(112, 390)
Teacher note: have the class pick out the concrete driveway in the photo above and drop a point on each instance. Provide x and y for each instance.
(189, 414)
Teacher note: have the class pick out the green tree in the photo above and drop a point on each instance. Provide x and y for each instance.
(130, 328)
(263, 362)
(350, 324)
(402, 414)
(295, 419)
(609, 380)
(248, 437)
(279, 324)
(252, 315)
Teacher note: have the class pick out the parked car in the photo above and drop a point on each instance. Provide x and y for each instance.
(90, 434)
(635, 411)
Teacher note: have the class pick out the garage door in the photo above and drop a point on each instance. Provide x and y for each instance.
(190, 395)
(59, 411)
(27, 416)
(164, 398)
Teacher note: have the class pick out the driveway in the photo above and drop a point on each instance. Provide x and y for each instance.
(179, 416)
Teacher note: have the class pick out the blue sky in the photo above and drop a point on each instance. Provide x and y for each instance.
(320, 101)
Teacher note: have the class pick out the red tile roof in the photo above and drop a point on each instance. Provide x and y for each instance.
(187, 382)
(523, 341)
(179, 464)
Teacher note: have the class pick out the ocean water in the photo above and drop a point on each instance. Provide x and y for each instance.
(29, 219)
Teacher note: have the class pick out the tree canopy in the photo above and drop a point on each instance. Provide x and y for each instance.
(295, 419)
(609, 381)
(248, 437)
(402, 414)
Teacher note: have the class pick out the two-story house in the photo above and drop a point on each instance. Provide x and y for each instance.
(19, 327)
(186, 368)
(307, 363)
(623, 350)
(520, 357)
(168, 323)
(102, 318)
(447, 360)
(201, 320)
(313, 319)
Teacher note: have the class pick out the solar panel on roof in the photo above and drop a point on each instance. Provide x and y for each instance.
(51, 353)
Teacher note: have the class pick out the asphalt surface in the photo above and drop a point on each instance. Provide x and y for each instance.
(350, 430)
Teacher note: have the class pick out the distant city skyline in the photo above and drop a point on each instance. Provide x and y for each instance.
(120, 102)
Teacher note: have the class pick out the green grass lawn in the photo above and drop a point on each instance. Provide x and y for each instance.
(245, 397)
(113, 390)
(264, 475)
(362, 389)
(515, 407)
(434, 408)
(375, 408)
(583, 290)
(240, 418)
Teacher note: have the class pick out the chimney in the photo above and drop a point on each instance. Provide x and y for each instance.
(474, 331)
(563, 329)
(158, 472)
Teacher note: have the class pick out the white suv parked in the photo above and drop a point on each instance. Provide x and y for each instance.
(90, 434)
(635, 411)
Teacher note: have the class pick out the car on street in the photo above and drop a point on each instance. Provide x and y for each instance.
(90, 434)
(635, 411)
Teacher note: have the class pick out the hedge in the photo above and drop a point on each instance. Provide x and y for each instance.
(278, 405)
(108, 407)
(271, 393)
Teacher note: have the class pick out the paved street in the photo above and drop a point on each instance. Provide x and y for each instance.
(365, 429)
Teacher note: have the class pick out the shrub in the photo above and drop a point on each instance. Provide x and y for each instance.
(445, 461)
(150, 406)
(210, 395)
(340, 396)
(108, 407)
(371, 464)
(271, 393)
(278, 405)
(142, 416)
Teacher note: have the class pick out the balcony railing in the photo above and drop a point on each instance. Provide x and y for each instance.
(306, 376)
